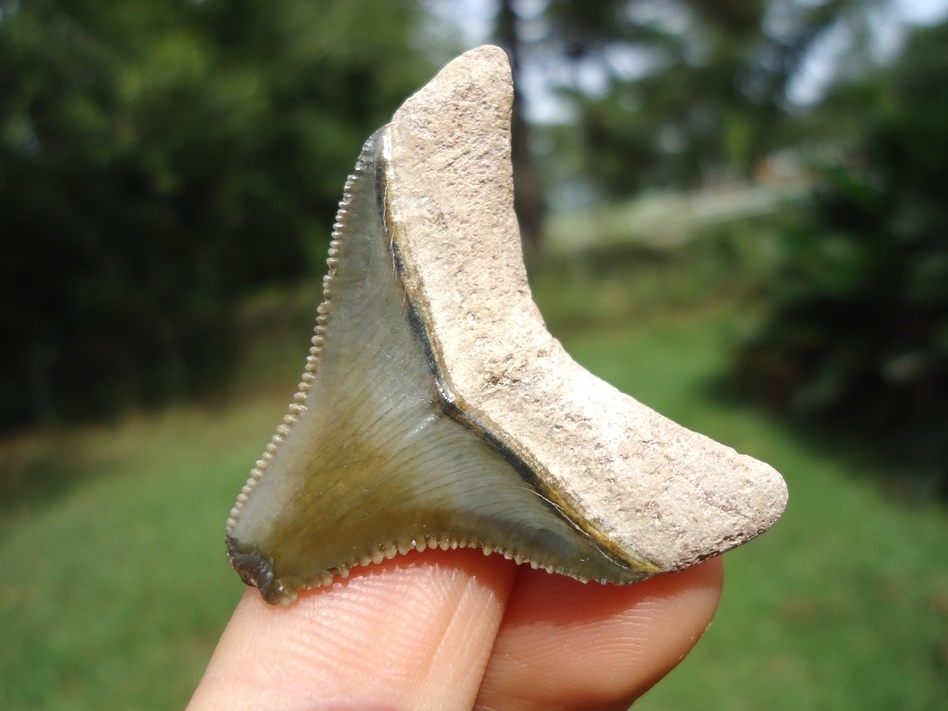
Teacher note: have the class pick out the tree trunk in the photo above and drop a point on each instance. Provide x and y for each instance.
(528, 190)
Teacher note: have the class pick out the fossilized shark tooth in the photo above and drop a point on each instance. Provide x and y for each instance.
(436, 409)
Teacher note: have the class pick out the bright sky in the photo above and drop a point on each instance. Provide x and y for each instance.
(474, 19)
(926, 12)
(890, 31)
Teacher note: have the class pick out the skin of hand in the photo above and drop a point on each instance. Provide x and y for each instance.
(458, 630)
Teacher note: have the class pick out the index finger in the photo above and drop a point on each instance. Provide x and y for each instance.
(458, 630)
(413, 632)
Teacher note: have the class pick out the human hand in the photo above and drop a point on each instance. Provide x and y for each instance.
(458, 630)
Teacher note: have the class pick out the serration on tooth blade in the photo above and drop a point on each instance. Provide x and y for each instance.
(377, 458)
(436, 410)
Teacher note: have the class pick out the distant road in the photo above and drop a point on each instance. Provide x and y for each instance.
(660, 218)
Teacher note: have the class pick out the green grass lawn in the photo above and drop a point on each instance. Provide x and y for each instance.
(114, 587)
(844, 604)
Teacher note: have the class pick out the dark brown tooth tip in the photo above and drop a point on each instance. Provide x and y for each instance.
(436, 410)
(253, 568)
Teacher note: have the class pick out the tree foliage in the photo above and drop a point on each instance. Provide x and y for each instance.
(857, 327)
(160, 158)
(682, 89)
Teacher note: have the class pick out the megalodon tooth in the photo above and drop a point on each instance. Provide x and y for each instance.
(437, 410)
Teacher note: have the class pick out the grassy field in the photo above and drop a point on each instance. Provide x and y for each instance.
(844, 604)
(114, 587)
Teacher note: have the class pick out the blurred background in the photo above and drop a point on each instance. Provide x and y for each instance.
(735, 211)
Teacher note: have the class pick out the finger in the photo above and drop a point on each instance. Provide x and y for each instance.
(566, 645)
(414, 632)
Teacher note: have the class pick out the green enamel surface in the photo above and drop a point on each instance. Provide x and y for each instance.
(377, 460)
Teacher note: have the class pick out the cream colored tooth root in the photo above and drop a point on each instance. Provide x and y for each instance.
(437, 410)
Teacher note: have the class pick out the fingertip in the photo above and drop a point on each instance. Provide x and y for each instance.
(563, 644)
(395, 634)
